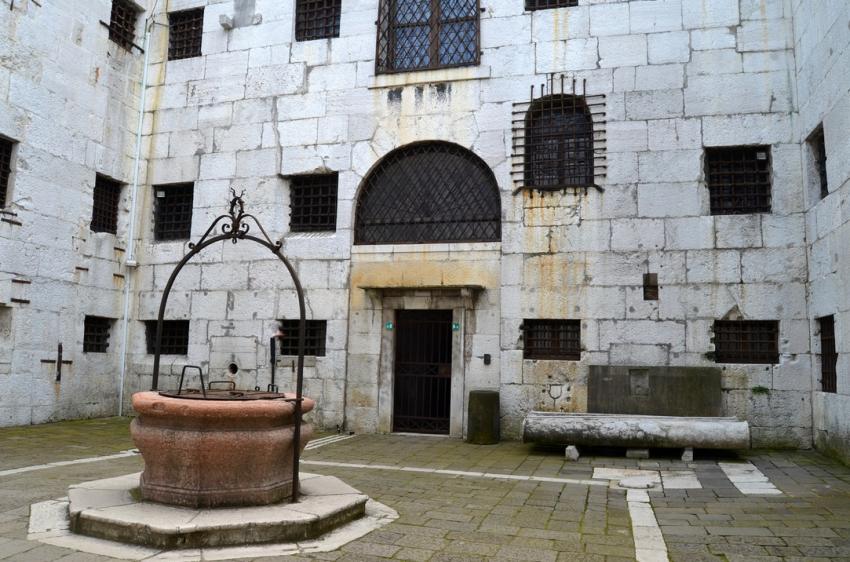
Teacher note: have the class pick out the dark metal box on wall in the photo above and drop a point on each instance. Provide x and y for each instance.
(662, 391)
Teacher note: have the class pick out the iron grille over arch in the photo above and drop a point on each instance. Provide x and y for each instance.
(428, 192)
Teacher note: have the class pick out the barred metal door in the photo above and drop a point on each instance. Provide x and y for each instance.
(423, 371)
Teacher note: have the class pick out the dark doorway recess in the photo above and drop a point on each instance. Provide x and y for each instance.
(423, 371)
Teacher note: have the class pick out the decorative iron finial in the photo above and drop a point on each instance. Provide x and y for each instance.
(235, 225)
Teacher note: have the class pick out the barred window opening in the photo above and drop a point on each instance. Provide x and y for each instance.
(185, 34)
(828, 354)
(428, 192)
(427, 34)
(107, 193)
(173, 211)
(6, 147)
(96, 334)
(746, 341)
(312, 203)
(122, 23)
(314, 337)
(818, 147)
(738, 179)
(175, 337)
(317, 19)
(650, 286)
(551, 339)
(547, 4)
(558, 143)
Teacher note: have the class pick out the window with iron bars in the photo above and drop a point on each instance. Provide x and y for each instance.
(185, 33)
(558, 143)
(738, 179)
(312, 202)
(746, 341)
(532, 5)
(429, 192)
(817, 145)
(122, 23)
(175, 337)
(96, 334)
(427, 34)
(650, 286)
(551, 339)
(314, 337)
(828, 355)
(104, 216)
(317, 19)
(6, 147)
(173, 211)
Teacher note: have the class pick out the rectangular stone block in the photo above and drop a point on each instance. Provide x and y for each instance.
(622, 50)
(669, 47)
(654, 16)
(656, 104)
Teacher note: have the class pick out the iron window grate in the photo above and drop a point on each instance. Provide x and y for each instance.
(427, 34)
(122, 23)
(650, 286)
(314, 340)
(818, 146)
(828, 354)
(96, 334)
(173, 211)
(738, 179)
(6, 147)
(107, 193)
(312, 202)
(559, 137)
(532, 5)
(175, 337)
(317, 19)
(185, 33)
(429, 192)
(551, 339)
(746, 341)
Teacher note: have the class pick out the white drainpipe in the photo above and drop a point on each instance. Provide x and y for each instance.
(131, 253)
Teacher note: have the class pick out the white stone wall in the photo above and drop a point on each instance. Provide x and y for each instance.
(67, 96)
(822, 43)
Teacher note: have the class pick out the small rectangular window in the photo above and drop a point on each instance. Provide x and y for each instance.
(552, 339)
(175, 337)
(547, 4)
(185, 34)
(104, 216)
(746, 341)
(314, 343)
(650, 286)
(173, 211)
(312, 202)
(316, 19)
(122, 23)
(96, 334)
(6, 147)
(817, 145)
(738, 179)
(828, 355)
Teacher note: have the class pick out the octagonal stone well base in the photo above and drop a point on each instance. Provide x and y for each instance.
(112, 509)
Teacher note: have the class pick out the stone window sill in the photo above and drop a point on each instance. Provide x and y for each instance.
(430, 76)
(420, 248)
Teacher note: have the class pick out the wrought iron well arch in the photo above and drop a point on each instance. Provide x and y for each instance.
(235, 228)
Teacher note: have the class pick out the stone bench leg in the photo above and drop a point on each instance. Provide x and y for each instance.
(688, 454)
(571, 453)
(637, 453)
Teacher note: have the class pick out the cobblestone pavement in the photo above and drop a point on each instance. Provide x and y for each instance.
(452, 515)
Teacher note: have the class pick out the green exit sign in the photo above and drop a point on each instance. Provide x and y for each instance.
(455, 326)
(388, 325)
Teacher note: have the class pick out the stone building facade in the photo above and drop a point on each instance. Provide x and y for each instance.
(319, 116)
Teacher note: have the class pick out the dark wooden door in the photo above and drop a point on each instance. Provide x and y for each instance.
(423, 371)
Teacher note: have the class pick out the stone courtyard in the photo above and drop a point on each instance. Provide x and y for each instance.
(510, 501)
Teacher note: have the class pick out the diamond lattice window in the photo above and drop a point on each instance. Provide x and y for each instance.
(104, 217)
(185, 34)
(96, 334)
(738, 179)
(314, 337)
(312, 204)
(175, 337)
(547, 4)
(122, 23)
(317, 19)
(427, 34)
(429, 192)
(173, 211)
(746, 341)
(6, 147)
(551, 339)
(558, 143)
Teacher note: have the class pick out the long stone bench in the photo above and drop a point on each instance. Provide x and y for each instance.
(635, 431)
